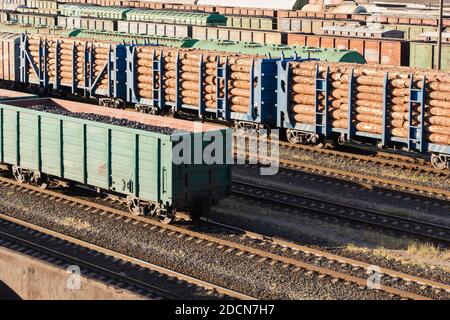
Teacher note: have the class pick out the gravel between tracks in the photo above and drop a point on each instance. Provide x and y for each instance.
(204, 262)
(397, 174)
(329, 235)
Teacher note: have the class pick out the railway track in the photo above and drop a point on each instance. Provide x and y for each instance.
(384, 158)
(18, 239)
(432, 232)
(362, 179)
(9, 239)
(230, 247)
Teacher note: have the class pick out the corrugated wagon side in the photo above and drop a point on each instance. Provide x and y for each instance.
(138, 164)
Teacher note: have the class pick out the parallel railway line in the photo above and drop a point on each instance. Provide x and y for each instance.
(20, 243)
(366, 180)
(8, 239)
(231, 247)
(384, 158)
(380, 158)
(432, 232)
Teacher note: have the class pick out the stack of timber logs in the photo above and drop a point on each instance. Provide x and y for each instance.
(194, 84)
(72, 56)
(369, 95)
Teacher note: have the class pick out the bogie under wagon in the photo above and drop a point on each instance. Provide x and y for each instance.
(130, 154)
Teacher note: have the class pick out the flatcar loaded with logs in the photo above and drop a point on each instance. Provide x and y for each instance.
(392, 106)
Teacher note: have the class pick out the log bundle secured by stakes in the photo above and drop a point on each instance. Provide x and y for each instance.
(191, 80)
(63, 49)
(368, 97)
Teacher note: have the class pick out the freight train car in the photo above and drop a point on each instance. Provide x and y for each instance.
(156, 29)
(123, 152)
(94, 24)
(75, 66)
(236, 34)
(388, 107)
(375, 50)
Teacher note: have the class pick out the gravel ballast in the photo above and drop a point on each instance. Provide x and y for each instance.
(238, 272)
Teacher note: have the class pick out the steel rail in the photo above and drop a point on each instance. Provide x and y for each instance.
(383, 158)
(330, 256)
(436, 233)
(363, 179)
(200, 237)
(115, 254)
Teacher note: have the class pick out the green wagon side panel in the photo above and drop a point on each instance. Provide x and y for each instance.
(72, 150)
(97, 145)
(10, 134)
(29, 133)
(425, 54)
(128, 161)
(149, 166)
(51, 146)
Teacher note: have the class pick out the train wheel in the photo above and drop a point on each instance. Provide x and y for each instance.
(439, 161)
(166, 220)
(294, 137)
(136, 207)
(118, 104)
(39, 179)
(18, 174)
(153, 110)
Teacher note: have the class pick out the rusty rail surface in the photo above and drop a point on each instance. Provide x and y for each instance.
(365, 180)
(230, 247)
(108, 252)
(436, 233)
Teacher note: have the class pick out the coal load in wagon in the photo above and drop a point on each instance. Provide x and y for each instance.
(104, 119)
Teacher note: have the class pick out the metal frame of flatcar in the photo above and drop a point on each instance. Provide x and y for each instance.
(258, 115)
(114, 69)
(322, 129)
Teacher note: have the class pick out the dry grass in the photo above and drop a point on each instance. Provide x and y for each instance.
(416, 254)
(375, 243)
(78, 224)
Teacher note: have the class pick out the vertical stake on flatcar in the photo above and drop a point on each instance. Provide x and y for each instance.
(327, 103)
(385, 136)
(251, 111)
(422, 139)
(177, 82)
(350, 105)
(201, 103)
(412, 97)
(162, 101)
